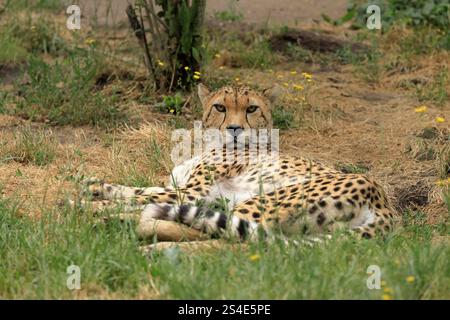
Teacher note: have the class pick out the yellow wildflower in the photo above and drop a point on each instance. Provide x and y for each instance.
(172, 110)
(387, 290)
(237, 79)
(386, 297)
(197, 73)
(444, 182)
(221, 67)
(160, 63)
(410, 279)
(307, 75)
(217, 55)
(440, 119)
(285, 84)
(89, 41)
(196, 76)
(298, 87)
(293, 72)
(421, 109)
(187, 68)
(254, 257)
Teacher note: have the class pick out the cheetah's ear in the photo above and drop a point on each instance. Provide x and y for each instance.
(272, 93)
(202, 92)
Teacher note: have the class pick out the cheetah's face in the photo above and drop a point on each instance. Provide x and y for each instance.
(236, 107)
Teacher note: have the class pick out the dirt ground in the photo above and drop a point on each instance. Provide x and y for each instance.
(281, 12)
(348, 120)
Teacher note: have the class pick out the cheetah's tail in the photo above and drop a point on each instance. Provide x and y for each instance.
(203, 219)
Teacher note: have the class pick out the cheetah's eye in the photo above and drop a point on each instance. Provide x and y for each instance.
(252, 109)
(219, 107)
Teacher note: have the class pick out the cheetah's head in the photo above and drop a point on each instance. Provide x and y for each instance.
(237, 108)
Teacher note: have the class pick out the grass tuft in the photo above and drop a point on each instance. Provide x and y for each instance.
(29, 146)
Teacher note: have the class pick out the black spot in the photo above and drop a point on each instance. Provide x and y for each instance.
(243, 228)
(281, 191)
(338, 205)
(256, 215)
(378, 206)
(315, 195)
(336, 189)
(198, 189)
(163, 212)
(182, 211)
(348, 184)
(243, 211)
(284, 167)
(381, 222)
(312, 209)
(360, 181)
(355, 197)
(322, 203)
(209, 213)
(366, 235)
(320, 219)
(222, 221)
(191, 198)
(287, 205)
(295, 189)
(350, 216)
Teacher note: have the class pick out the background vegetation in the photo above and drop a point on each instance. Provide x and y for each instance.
(77, 104)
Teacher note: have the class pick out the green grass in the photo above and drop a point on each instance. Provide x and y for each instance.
(34, 4)
(11, 51)
(436, 90)
(351, 168)
(36, 253)
(283, 118)
(64, 93)
(37, 147)
(34, 34)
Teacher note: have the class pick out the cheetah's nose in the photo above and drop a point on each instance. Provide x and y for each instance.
(235, 129)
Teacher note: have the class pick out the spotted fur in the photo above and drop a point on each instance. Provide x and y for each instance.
(296, 194)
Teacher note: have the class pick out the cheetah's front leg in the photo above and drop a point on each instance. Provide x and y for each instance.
(98, 189)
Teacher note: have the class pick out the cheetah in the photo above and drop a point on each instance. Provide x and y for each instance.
(275, 192)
